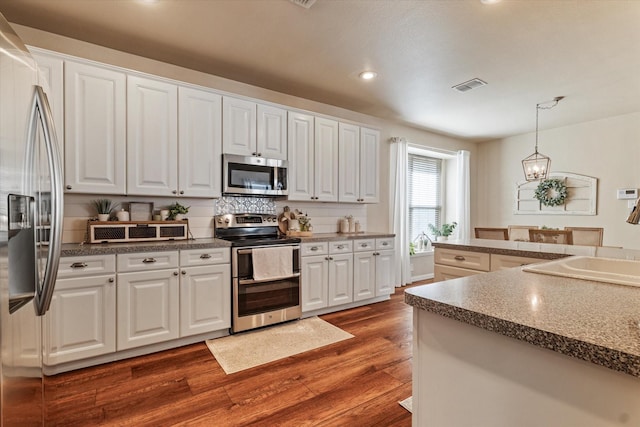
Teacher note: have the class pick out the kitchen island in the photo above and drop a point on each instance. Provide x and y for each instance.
(513, 348)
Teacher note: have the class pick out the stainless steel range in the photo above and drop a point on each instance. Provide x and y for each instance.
(265, 269)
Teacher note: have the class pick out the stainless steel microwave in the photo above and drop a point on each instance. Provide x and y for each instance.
(254, 176)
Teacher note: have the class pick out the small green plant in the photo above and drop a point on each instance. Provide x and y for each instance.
(177, 209)
(412, 248)
(444, 230)
(104, 206)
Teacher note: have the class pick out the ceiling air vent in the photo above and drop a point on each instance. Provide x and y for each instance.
(304, 3)
(468, 85)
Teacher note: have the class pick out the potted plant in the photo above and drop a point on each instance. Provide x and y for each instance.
(104, 207)
(177, 211)
(444, 231)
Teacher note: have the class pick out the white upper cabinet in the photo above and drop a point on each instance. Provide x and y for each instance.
(95, 134)
(272, 132)
(51, 69)
(252, 129)
(152, 137)
(349, 163)
(369, 165)
(300, 146)
(326, 160)
(200, 143)
(359, 164)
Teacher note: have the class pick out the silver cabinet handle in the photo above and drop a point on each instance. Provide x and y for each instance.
(459, 258)
(79, 265)
(149, 260)
(205, 256)
(40, 109)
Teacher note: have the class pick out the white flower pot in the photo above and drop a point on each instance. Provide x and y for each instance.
(103, 217)
(442, 238)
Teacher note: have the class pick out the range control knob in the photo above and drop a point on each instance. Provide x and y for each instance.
(227, 220)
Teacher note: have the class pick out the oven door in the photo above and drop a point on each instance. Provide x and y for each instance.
(260, 303)
(254, 175)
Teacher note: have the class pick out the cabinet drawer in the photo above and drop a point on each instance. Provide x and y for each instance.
(386, 243)
(341, 247)
(362, 245)
(194, 257)
(147, 261)
(320, 248)
(502, 262)
(86, 265)
(443, 272)
(464, 259)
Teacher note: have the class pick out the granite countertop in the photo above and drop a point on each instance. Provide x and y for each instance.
(85, 249)
(534, 250)
(592, 321)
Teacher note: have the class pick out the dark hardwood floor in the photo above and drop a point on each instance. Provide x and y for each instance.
(354, 382)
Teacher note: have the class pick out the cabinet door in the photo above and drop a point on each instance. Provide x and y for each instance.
(152, 137)
(95, 134)
(325, 177)
(385, 276)
(314, 272)
(349, 163)
(81, 322)
(340, 279)
(148, 306)
(300, 147)
(199, 143)
(205, 299)
(364, 276)
(51, 68)
(369, 166)
(272, 132)
(444, 272)
(238, 127)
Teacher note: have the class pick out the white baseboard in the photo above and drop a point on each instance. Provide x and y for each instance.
(421, 277)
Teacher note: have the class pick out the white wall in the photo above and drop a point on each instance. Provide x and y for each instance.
(607, 149)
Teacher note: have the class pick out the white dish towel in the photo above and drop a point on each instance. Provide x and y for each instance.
(272, 263)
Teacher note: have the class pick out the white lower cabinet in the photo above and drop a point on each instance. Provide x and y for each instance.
(327, 275)
(373, 274)
(205, 299)
(315, 281)
(340, 279)
(81, 322)
(148, 307)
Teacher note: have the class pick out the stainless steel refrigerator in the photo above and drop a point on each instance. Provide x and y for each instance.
(30, 228)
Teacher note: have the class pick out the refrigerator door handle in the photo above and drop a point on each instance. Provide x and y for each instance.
(42, 111)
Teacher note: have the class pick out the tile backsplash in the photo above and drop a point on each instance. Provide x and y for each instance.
(230, 204)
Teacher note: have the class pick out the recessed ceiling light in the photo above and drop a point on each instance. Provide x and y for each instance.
(368, 75)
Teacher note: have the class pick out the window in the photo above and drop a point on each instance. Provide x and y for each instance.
(424, 194)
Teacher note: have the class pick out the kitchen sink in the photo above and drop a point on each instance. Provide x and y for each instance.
(608, 270)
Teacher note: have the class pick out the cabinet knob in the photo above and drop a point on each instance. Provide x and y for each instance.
(175, 273)
(327, 258)
(148, 260)
(174, 192)
(181, 191)
(79, 265)
(69, 187)
(111, 280)
(183, 272)
(259, 154)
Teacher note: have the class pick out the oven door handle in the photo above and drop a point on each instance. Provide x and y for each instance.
(273, 279)
(249, 250)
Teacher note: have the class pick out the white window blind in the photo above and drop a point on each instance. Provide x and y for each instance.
(425, 201)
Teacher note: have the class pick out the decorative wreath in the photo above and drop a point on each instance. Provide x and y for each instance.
(551, 192)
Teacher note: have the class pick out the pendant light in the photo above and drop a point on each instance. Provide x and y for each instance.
(536, 166)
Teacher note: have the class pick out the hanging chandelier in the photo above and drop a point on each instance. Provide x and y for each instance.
(536, 166)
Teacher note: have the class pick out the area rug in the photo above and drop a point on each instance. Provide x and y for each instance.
(245, 350)
(406, 404)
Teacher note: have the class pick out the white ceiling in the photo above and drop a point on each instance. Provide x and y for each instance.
(529, 51)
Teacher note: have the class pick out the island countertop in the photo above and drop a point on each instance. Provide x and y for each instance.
(592, 321)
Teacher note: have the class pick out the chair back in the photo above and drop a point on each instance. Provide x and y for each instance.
(563, 237)
(587, 236)
(520, 232)
(492, 233)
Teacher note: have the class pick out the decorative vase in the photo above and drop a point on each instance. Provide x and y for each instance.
(179, 217)
(103, 217)
(442, 238)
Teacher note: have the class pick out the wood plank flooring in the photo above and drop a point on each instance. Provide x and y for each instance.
(355, 382)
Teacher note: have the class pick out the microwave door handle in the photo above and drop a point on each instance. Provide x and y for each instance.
(42, 111)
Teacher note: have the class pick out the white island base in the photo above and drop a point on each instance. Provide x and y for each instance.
(469, 377)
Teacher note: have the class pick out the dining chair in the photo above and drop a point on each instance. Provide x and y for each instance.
(587, 236)
(520, 232)
(492, 233)
(564, 237)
